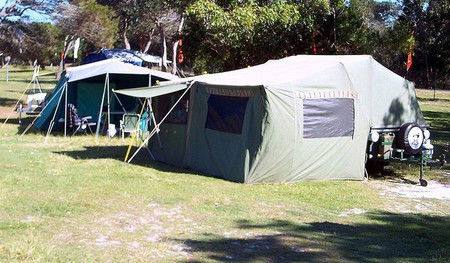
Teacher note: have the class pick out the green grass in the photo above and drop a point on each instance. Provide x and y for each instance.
(73, 199)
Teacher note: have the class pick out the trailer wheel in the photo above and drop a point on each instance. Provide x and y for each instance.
(410, 138)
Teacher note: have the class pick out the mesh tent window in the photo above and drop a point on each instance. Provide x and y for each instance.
(179, 114)
(226, 113)
(331, 117)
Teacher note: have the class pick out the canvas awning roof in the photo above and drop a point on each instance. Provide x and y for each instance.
(112, 66)
(146, 92)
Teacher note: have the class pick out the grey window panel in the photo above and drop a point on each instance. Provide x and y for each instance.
(325, 118)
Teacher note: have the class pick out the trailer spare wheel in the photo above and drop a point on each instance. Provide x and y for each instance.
(409, 138)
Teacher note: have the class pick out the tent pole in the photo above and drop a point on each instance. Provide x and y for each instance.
(37, 117)
(65, 113)
(134, 135)
(121, 104)
(101, 108)
(109, 104)
(52, 122)
(156, 129)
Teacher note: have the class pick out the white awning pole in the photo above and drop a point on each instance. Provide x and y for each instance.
(52, 122)
(109, 104)
(101, 108)
(65, 113)
(156, 129)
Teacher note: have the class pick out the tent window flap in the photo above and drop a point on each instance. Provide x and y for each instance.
(226, 113)
(331, 117)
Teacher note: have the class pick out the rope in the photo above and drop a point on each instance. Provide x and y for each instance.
(156, 129)
(134, 135)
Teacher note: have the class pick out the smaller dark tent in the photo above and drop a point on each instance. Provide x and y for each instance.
(89, 88)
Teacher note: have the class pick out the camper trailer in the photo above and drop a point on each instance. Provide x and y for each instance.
(293, 119)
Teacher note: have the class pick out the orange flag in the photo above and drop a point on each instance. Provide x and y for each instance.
(409, 61)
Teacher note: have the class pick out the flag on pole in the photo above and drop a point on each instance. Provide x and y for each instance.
(410, 53)
(409, 61)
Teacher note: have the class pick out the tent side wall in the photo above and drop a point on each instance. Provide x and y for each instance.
(44, 119)
(225, 130)
(168, 145)
(285, 156)
(397, 102)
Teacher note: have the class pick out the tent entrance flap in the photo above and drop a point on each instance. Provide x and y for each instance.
(155, 91)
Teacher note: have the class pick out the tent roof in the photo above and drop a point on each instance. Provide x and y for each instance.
(112, 66)
(285, 70)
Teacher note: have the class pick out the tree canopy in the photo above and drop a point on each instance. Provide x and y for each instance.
(222, 35)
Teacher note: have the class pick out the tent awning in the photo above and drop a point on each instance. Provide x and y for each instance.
(150, 92)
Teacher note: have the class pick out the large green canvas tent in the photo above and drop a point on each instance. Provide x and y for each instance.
(89, 88)
(298, 118)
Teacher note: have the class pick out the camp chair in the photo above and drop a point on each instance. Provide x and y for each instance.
(129, 124)
(76, 122)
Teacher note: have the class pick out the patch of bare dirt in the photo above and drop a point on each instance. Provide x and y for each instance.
(148, 231)
(405, 197)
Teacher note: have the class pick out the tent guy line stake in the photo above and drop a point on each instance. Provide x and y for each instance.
(156, 129)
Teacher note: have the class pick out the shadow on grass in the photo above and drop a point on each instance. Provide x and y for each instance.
(443, 100)
(6, 102)
(385, 237)
(143, 158)
(41, 81)
(440, 131)
(23, 124)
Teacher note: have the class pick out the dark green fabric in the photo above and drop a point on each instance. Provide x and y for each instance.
(52, 100)
(173, 140)
(221, 154)
(89, 98)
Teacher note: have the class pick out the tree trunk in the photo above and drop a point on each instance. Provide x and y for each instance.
(175, 48)
(62, 65)
(149, 42)
(163, 48)
(124, 35)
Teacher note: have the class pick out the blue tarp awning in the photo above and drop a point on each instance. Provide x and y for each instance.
(125, 55)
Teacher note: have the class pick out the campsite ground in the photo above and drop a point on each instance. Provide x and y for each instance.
(73, 199)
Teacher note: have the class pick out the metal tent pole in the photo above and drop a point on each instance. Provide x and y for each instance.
(109, 103)
(101, 108)
(65, 112)
(156, 129)
(52, 122)
(37, 117)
